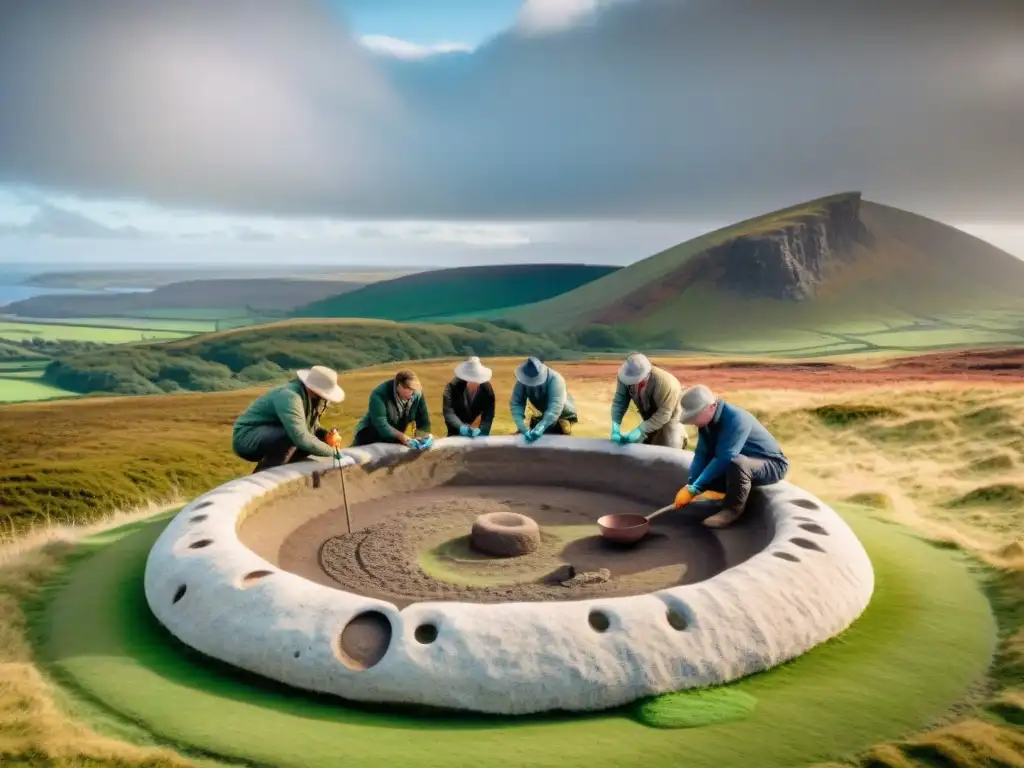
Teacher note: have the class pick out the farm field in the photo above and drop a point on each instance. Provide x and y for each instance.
(118, 333)
(910, 443)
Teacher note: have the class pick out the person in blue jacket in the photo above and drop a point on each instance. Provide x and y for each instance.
(545, 390)
(734, 453)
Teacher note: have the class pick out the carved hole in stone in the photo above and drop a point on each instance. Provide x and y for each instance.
(508, 518)
(254, 576)
(599, 621)
(805, 519)
(805, 504)
(806, 544)
(200, 544)
(364, 641)
(786, 556)
(198, 519)
(676, 619)
(204, 505)
(425, 633)
(179, 594)
(814, 528)
(297, 654)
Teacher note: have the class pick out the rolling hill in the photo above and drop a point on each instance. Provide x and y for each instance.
(457, 292)
(254, 295)
(836, 274)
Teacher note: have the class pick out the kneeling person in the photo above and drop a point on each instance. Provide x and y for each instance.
(734, 453)
(655, 393)
(394, 405)
(282, 426)
(468, 397)
(545, 390)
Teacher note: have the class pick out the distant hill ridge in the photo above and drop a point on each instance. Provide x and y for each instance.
(456, 292)
(829, 272)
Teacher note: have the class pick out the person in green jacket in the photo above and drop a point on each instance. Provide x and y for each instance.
(545, 390)
(655, 392)
(282, 426)
(394, 405)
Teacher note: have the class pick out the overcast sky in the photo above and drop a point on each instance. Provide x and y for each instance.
(495, 130)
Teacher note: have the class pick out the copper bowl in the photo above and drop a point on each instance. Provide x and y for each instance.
(623, 527)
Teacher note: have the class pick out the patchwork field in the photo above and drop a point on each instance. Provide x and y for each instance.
(932, 447)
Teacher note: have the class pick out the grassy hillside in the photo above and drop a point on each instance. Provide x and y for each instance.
(246, 356)
(450, 293)
(907, 282)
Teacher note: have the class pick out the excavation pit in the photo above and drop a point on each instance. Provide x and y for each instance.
(528, 517)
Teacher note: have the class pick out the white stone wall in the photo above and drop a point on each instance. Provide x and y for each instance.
(511, 658)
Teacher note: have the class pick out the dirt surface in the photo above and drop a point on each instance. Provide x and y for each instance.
(973, 367)
(411, 528)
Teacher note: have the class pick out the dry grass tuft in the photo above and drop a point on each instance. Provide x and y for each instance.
(34, 731)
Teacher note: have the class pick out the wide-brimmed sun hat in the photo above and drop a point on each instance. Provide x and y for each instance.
(532, 373)
(473, 370)
(323, 381)
(694, 400)
(634, 369)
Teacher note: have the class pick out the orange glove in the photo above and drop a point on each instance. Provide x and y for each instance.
(684, 497)
(333, 439)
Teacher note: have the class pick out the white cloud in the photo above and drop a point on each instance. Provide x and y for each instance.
(546, 16)
(407, 51)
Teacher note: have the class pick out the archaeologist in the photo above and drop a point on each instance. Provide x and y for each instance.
(655, 393)
(282, 426)
(394, 405)
(545, 390)
(468, 398)
(734, 453)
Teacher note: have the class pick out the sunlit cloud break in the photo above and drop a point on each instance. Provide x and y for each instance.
(384, 45)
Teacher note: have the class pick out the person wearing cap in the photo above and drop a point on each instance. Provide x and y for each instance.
(545, 390)
(282, 426)
(655, 393)
(394, 405)
(734, 453)
(469, 397)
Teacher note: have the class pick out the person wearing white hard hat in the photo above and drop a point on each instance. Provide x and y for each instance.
(468, 399)
(282, 426)
(544, 389)
(734, 454)
(655, 392)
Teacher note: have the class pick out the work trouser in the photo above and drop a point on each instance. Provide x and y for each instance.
(672, 435)
(745, 473)
(271, 447)
(560, 427)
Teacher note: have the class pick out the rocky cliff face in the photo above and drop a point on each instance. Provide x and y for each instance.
(789, 262)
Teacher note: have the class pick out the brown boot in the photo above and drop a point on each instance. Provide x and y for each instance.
(723, 518)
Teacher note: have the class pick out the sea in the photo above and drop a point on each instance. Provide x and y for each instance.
(13, 286)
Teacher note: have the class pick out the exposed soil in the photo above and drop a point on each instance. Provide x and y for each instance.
(973, 367)
(410, 545)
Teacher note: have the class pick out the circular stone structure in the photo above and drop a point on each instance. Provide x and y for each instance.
(505, 534)
(262, 573)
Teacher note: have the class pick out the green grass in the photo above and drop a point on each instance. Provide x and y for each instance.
(20, 387)
(926, 638)
(696, 709)
(19, 331)
(454, 292)
(178, 323)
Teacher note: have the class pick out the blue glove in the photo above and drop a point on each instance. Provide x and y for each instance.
(475, 431)
(425, 443)
(616, 435)
(635, 436)
(415, 444)
(532, 434)
(466, 431)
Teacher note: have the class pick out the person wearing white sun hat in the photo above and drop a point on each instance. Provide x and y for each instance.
(282, 426)
(468, 398)
(655, 392)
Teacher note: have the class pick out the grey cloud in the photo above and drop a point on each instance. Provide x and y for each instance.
(677, 109)
(54, 221)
